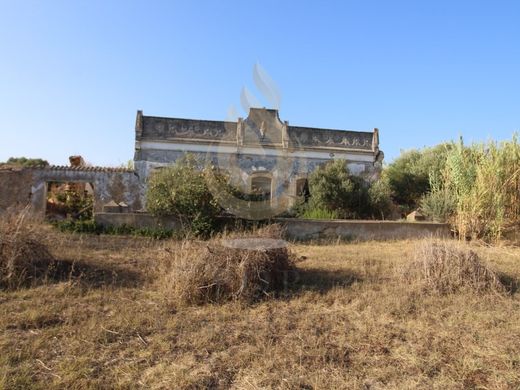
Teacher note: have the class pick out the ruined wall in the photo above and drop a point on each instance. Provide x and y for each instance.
(15, 187)
(21, 187)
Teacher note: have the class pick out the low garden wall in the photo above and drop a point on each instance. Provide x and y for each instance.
(309, 229)
(136, 220)
(303, 229)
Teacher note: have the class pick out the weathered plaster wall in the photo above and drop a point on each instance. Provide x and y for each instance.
(15, 187)
(258, 144)
(283, 170)
(21, 187)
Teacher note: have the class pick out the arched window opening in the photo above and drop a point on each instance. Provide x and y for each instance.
(261, 186)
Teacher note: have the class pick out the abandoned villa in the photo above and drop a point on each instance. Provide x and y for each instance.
(260, 152)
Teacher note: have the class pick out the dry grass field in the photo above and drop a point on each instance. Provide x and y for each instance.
(349, 322)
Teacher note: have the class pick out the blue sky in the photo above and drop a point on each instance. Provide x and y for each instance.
(73, 73)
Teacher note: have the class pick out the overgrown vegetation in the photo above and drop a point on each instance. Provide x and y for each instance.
(71, 201)
(475, 188)
(91, 227)
(438, 204)
(409, 175)
(181, 191)
(316, 212)
(336, 193)
(478, 189)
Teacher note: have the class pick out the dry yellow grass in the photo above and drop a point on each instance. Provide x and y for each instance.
(348, 323)
(448, 266)
(198, 273)
(24, 258)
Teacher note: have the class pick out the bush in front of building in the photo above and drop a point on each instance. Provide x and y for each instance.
(181, 191)
(336, 193)
(333, 188)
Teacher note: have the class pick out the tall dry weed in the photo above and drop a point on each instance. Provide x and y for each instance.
(196, 272)
(444, 267)
(24, 258)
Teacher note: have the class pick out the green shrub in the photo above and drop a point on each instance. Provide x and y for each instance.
(334, 189)
(91, 227)
(78, 226)
(409, 175)
(336, 193)
(439, 205)
(181, 191)
(80, 206)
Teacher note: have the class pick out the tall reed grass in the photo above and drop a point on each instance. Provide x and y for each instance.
(483, 183)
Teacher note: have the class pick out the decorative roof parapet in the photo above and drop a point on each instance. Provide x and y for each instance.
(87, 169)
(328, 138)
(261, 127)
(168, 129)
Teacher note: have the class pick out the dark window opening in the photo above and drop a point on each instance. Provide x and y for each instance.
(302, 188)
(261, 186)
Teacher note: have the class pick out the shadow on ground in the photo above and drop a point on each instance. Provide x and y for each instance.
(319, 280)
(93, 274)
(511, 283)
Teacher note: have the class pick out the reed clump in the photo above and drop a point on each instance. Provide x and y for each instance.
(478, 190)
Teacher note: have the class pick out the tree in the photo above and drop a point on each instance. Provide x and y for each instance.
(27, 162)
